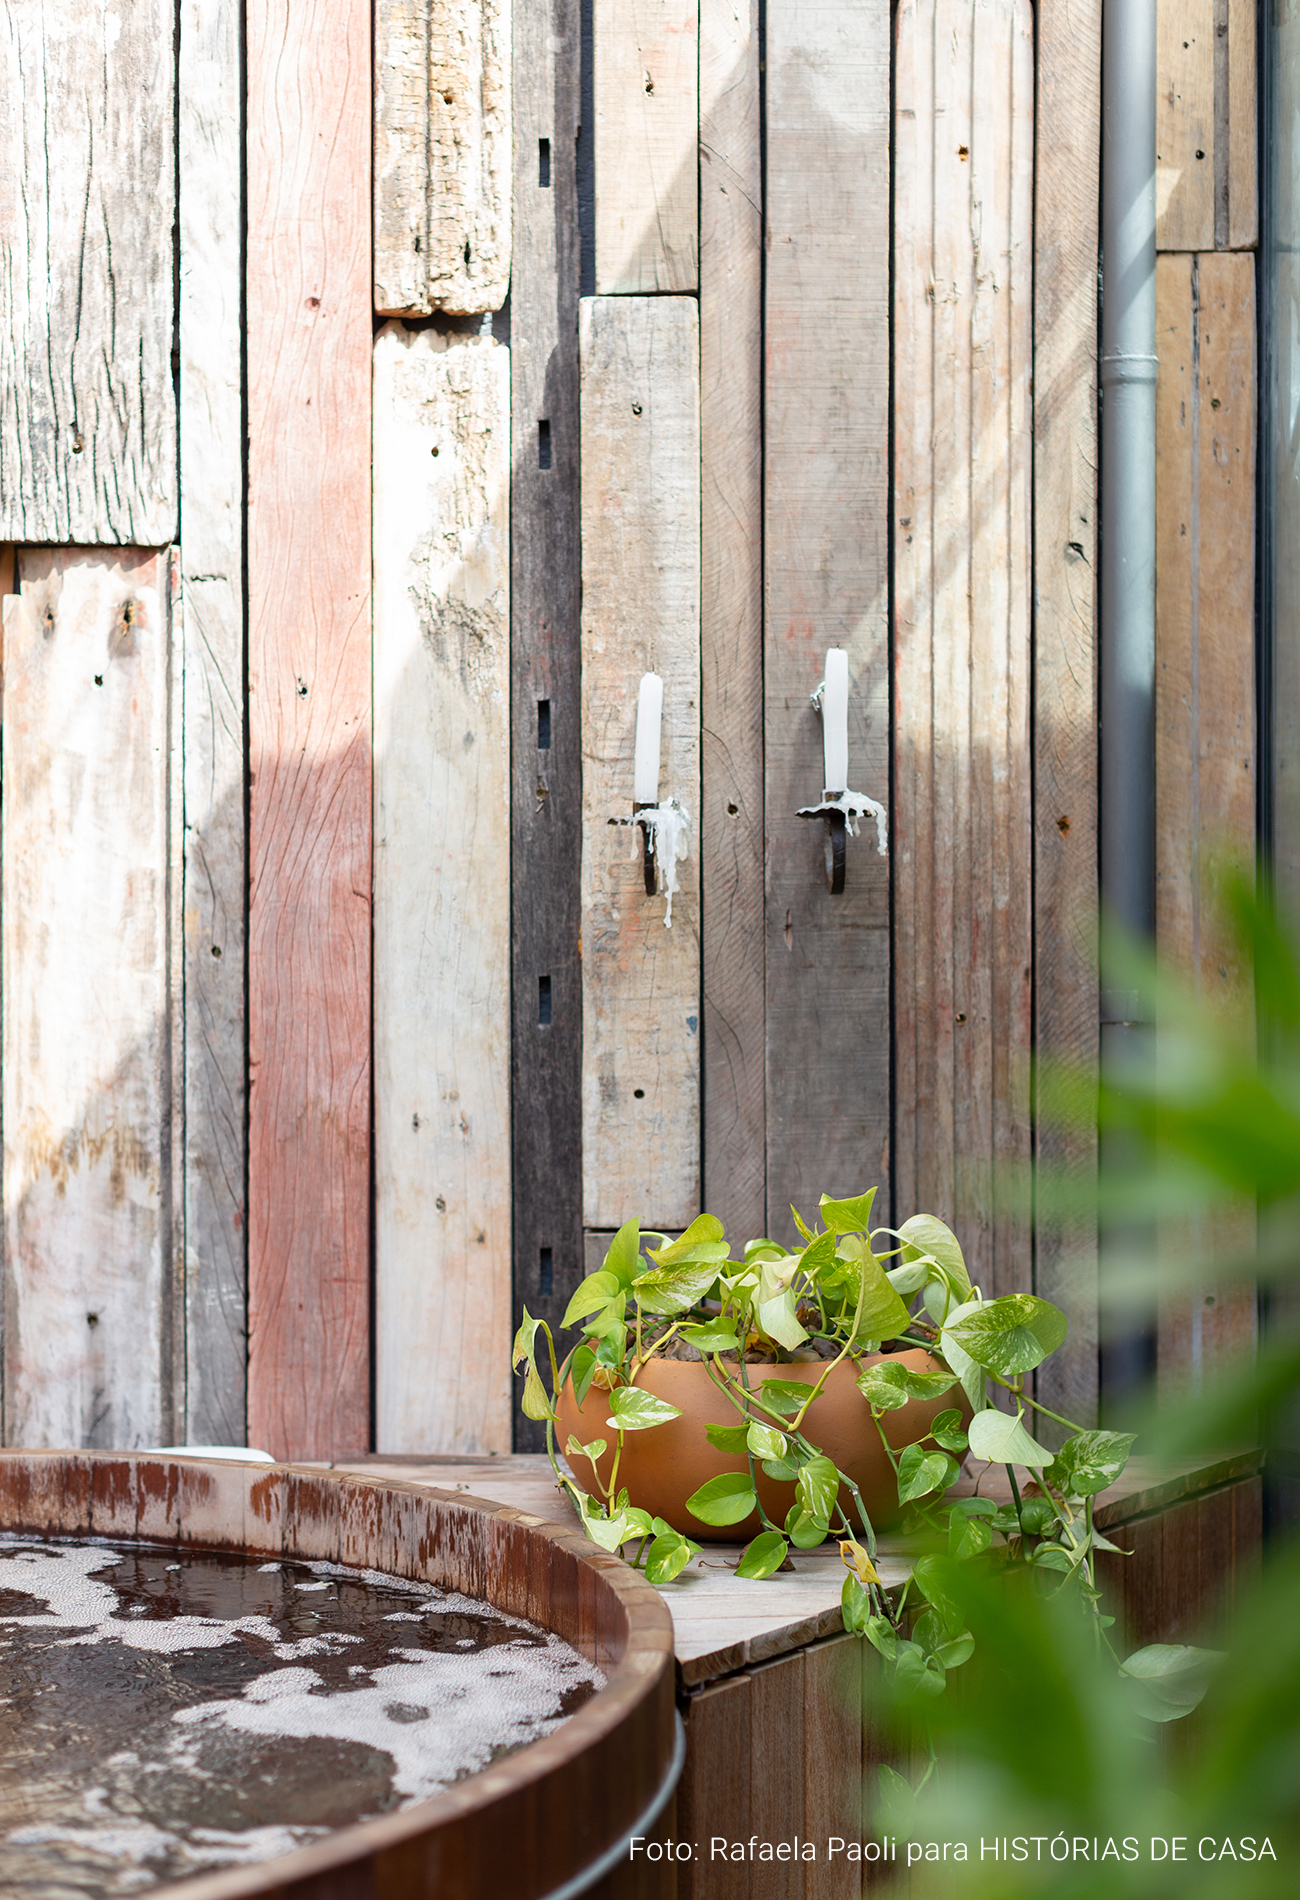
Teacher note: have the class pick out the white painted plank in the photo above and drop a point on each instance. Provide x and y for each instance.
(963, 309)
(640, 613)
(212, 643)
(442, 155)
(646, 83)
(86, 1061)
(87, 411)
(442, 892)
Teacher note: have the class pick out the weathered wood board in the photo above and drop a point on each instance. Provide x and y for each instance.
(309, 376)
(87, 410)
(826, 584)
(88, 1025)
(442, 892)
(646, 77)
(1206, 164)
(1205, 711)
(1066, 235)
(209, 133)
(442, 155)
(640, 613)
(731, 393)
(545, 593)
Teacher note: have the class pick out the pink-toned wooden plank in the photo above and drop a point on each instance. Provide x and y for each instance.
(309, 343)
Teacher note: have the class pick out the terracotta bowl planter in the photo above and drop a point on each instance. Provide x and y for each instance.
(667, 1464)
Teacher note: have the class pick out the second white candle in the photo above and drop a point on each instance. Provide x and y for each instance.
(835, 722)
(649, 717)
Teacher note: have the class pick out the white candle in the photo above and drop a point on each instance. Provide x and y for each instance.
(649, 714)
(835, 722)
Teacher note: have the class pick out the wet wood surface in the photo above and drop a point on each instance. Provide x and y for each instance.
(963, 465)
(309, 684)
(442, 892)
(88, 413)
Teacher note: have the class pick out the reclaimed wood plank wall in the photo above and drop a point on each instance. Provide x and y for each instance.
(1206, 384)
(547, 1058)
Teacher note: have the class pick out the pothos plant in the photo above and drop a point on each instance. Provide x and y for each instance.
(847, 1291)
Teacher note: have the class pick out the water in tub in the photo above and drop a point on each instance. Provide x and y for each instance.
(166, 1712)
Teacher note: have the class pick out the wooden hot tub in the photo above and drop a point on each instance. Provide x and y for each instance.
(549, 1818)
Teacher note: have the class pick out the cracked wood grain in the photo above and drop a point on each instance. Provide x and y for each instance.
(640, 613)
(963, 468)
(442, 893)
(309, 662)
(826, 575)
(216, 847)
(442, 155)
(87, 1040)
(646, 83)
(87, 411)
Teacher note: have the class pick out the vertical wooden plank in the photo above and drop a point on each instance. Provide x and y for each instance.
(826, 584)
(832, 1764)
(546, 759)
(87, 410)
(715, 1784)
(731, 804)
(1205, 707)
(442, 155)
(1185, 39)
(1243, 150)
(86, 1056)
(777, 1714)
(209, 131)
(640, 613)
(309, 349)
(963, 300)
(1067, 184)
(647, 132)
(442, 892)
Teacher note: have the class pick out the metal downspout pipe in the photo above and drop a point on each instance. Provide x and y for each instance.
(1128, 562)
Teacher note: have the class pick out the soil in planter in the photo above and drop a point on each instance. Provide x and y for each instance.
(165, 1712)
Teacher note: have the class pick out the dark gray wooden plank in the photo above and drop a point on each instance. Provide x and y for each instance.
(826, 584)
(731, 631)
(87, 411)
(546, 778)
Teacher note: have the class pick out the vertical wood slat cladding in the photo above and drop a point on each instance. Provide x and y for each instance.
(640, 613)
(210, 133)
(826, 584)
(963, 300)
(309, 370)
(88, 1023)
(545, 781)
(731, 805)
(87, 410)
(646, 144)
(442, 155)
(1205, 712)
(1067, 157)
(442, 892)
(1206, 194)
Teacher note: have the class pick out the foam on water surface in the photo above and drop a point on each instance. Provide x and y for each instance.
(164, 1713)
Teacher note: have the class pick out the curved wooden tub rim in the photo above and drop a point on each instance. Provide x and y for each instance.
(382, 1859)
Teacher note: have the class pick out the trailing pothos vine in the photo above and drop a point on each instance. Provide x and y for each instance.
(849, 1290)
